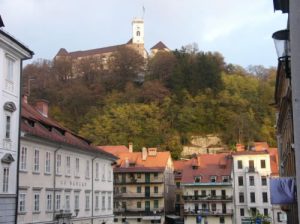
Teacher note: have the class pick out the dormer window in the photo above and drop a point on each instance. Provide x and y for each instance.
(213, 179)
(225, 179)
(197, 179)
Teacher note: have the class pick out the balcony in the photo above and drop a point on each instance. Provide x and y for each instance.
(138, 181)
(138, 195)
(207, 198)
(138, 212)
(207, 212)
(251, 170)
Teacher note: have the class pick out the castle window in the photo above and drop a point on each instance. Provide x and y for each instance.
(138, 33)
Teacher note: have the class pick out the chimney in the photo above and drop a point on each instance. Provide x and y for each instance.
(42, 107)
(152, 151)
(144, 153)
(25, 99)
(126, 162)
(130, 147)
(240, 147)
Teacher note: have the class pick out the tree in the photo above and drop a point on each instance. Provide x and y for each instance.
(124, 65)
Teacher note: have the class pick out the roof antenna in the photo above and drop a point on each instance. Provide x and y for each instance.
(1, 22)
(143, 12)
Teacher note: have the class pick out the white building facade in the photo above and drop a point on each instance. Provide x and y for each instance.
(59, 182)
(12, 53)
(251, 175)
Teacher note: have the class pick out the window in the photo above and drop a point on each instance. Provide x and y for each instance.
(241, 197)
(266, 212)
(138, 189)
(242, 212)
(264, 181)
(138, 33)
(203, 193)
(240, 164)
(22, 202)
(5, 179)
(76, 201)
(123, 190)
(103, 201)
(48, 163)
(87, 201)
(109, 174)
(97, 201)
(251, 180)
(213, 207)
(139, 175)
(23, 160)
(251, 165)
(103, 172)
(58, 164)
(97, 171)
(155, 175)
(77, 167)
(10, 69)
(68, 165)
(36, 202)
(177, 197)
(213, 179)
(197, 179)
(213, 193)
(49, 201)
(222, 220)
(262, 163)
(265, 197)
(57, 201)
(36, 161)
(252, 197)
(109, 202)
(241, 181)
(67, 202)
(7, 127)
(155, 189)
(178, 184)
(139, 204)
(225, 179)
(155, 203)
(124, 204)
(87, 169)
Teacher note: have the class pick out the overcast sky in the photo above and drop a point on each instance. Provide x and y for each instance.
(239, 29)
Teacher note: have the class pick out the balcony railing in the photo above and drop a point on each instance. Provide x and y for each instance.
(138, 195)
(208, 212)
(251, 170)
(139, 212)
(138, 181)
(207, 198)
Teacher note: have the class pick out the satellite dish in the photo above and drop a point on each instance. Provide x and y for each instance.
(1, 22)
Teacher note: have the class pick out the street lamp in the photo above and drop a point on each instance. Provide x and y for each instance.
(282, 45)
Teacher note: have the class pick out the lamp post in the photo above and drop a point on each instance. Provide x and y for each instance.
(282, 45)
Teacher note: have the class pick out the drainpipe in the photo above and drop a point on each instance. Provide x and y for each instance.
(93, 189)
(54, 182)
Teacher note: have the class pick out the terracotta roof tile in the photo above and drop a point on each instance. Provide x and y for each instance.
(180, 164)
(209, 165)
(35, 124)
(160, 46)
(158, 162)
(114, 149)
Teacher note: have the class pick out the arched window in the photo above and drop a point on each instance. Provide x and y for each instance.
(138, 33)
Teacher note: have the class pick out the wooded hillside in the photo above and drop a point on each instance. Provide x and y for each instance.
(185, 92)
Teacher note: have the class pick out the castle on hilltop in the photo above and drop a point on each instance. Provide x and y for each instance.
(103, 54)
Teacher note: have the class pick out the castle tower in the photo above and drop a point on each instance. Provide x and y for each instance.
(138, 31)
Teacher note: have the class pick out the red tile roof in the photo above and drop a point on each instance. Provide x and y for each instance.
(274, 161)
(133, 162)
(208, 165)
(180, 164)
(35, 124)
(114, 149)
(159, 46)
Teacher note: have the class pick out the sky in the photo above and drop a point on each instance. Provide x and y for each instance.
(240, 30)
